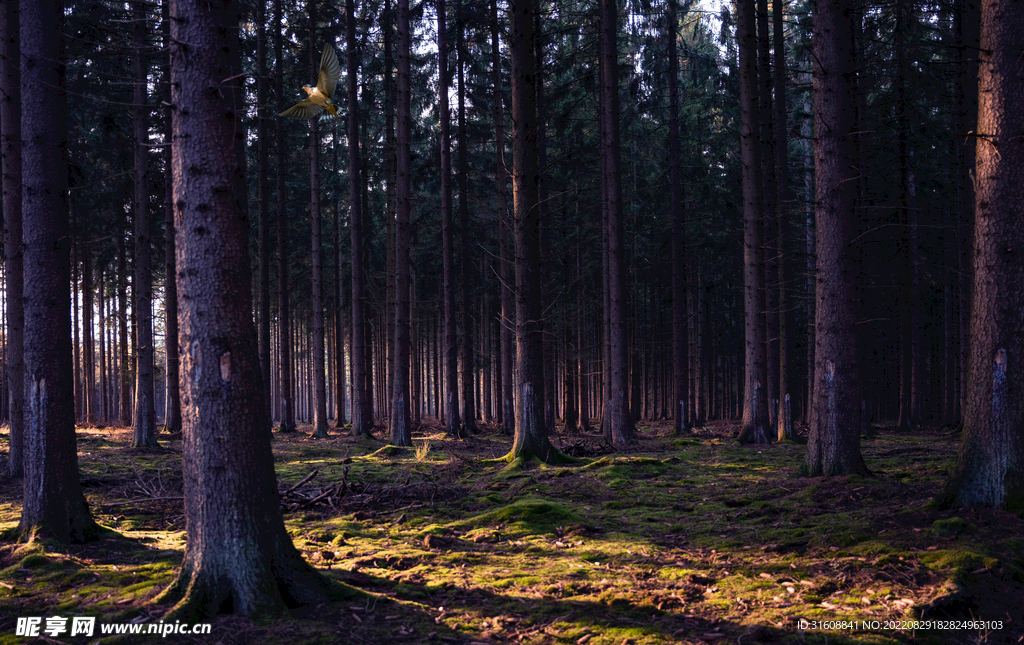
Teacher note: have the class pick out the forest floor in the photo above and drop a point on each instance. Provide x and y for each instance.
(690, 539)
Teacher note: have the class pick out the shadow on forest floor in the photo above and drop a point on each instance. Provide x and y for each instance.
(688, 539)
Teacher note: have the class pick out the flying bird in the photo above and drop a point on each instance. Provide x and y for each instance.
(319, 98)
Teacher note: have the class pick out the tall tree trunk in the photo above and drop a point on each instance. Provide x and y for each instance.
(53, 505)
(466, 318)
(531, 436)
(680, 363)
(238, 553)
(450, 384)
(125, 408)
(834, 442)
(88, 344)
(101, 407)
(755, 405)
(806, 131)
(768, 212)
(75, 318)
(505, 270)
(545, 226)
(144, 420)
(362, 420)
(989, 470)
(263, 197)
(319, 411)
(172, 402)
(283, 313)
(910, 335)
(617, 425)
(968, 29)
(782, 204)
(341, 323)
(10, 147)
(401, 425)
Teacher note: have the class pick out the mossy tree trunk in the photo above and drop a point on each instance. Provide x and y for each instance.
(53, 505)
(238, 556)
(989, 470)
(531, 436)
(834, 443)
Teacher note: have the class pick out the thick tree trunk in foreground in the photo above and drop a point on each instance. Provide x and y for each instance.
(401, 425)
(144, 420)
(238, 556)
(755, 392)
(53, 505)
(989, 470)
(450, 383)
(10, 145)
(616, 422)
(834, 443)
(531, 436)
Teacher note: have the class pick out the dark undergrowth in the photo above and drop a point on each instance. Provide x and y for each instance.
(680, 540)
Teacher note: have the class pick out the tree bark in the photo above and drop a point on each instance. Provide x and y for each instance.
(262, 197)
(755, 396)
(531, 436)
(88, 344)
(466, 318)
(283, 313)
(834, 443)
(319, 411)
(10, 146)
(617, 425)
(968, 29)
(505, 270)
(401, 425)
(769, 213)
(172, 403)
(782, 204)
(450, 384)
(238, 556)
(680, 344)
(362, 421)
(989, 471)
(144, 419)
(125, 406)
(53, 505)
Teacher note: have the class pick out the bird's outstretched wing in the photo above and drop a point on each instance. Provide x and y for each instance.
(330, 72)
(304, 109)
